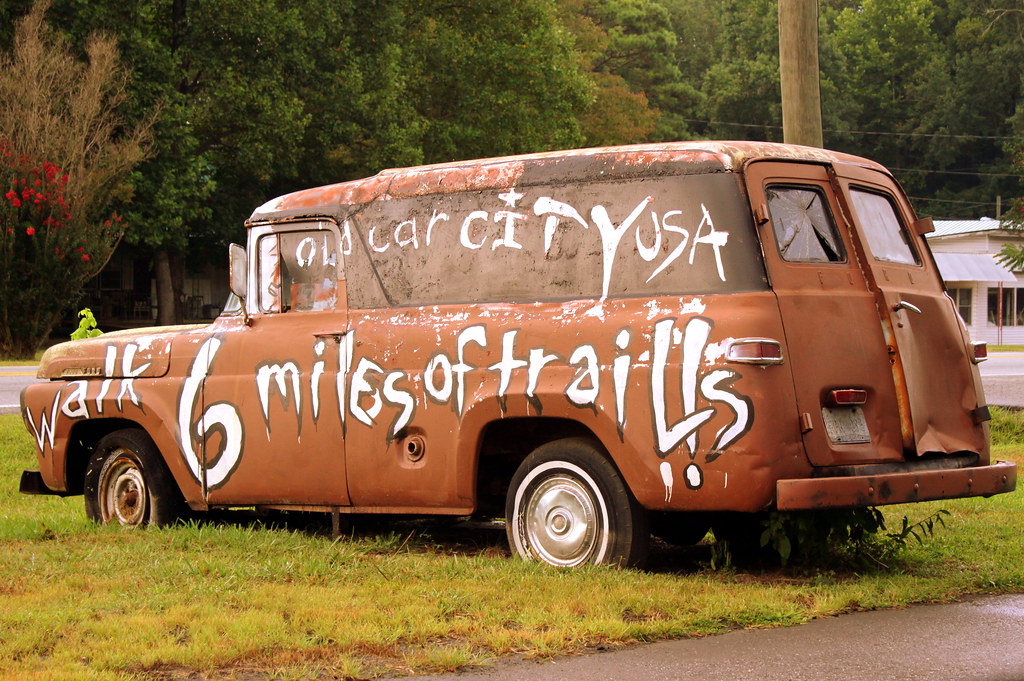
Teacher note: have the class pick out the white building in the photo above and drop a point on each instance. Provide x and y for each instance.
(965, 252)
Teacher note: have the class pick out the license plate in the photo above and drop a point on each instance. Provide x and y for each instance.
(845, 425)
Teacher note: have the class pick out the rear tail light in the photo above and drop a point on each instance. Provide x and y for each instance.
(754, 351)
(848, 397)
(979, 352)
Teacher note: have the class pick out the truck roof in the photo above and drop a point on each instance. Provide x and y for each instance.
(619, 162)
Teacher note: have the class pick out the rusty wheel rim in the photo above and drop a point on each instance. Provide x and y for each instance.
(123, 492)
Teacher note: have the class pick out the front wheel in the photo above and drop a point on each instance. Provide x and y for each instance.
(567, 505)
(127, 482)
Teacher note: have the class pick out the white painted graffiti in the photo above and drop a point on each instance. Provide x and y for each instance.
(364, 387)
(713, 387)
(686, 392)
(474, 234)
(210, 468)
(72, 399)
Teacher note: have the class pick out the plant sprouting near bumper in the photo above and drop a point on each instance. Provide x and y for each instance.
(852, 537)
(86, 326)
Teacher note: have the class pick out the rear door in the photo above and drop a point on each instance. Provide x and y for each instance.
(836, 345)
(931, 351)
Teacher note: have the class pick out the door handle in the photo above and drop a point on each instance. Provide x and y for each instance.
(904, 305)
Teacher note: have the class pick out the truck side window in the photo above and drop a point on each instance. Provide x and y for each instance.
(886, 237)
(270, 274)
(803, 225)
(298, 271)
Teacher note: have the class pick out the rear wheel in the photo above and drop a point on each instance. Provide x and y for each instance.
(127, 482)
(567, 505)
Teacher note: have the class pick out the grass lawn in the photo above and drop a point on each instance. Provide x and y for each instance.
(25, 361)
(239, 598)
(1006, 348)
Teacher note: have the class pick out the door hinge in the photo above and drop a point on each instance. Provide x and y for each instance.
(761, 214)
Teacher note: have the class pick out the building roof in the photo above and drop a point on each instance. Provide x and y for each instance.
(951, 227)
(971, 267)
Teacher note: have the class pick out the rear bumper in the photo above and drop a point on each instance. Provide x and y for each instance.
(895, 488)
(32, 483)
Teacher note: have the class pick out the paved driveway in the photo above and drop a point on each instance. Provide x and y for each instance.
(981, 639)
(1003, 378)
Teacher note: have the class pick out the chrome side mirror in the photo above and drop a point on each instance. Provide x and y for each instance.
(238, 264)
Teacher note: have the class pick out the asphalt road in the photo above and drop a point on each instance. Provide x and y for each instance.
(981, 639)
(12, 380)
(1003, 377)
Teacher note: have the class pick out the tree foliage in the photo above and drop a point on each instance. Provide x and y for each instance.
(260, 97)
(64, 162)
(931, 88)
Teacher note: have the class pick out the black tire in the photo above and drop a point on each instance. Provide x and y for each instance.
(680, 528)
(128, 483)
(567, 505)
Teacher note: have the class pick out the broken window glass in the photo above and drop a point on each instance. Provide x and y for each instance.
(803, 225)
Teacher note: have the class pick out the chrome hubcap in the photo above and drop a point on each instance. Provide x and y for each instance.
(562, 522)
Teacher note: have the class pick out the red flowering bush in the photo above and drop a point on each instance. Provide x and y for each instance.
(46, 249)
(65, 156)
(36, 201)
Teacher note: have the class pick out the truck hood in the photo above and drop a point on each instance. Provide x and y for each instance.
(134, 353)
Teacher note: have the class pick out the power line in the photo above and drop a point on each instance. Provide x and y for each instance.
(954, 172)
(766, 126)
(972, 203)
(926, 134)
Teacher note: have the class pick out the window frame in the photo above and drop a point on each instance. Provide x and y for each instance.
(1013, 302)
(822, 196)
(963, 298)
(257, 303)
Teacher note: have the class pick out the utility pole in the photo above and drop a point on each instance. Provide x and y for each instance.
(798, 71)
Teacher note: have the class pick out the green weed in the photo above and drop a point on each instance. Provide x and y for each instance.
(1006, 427)
(86, 325)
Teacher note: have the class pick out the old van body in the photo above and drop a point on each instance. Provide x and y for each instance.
(585, 342)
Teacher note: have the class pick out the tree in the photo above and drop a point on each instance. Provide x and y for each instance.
(931, 88)
(64, 162)
(491, 77)
(728, 55)
(261, 97)
(227, 77)
(629, 48)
